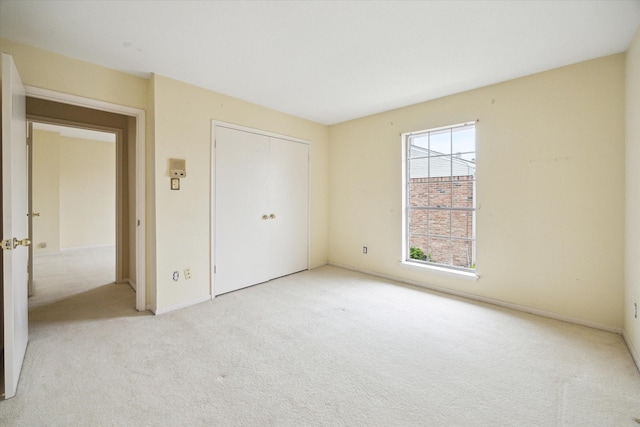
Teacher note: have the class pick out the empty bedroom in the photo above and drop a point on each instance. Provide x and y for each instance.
(376, 213)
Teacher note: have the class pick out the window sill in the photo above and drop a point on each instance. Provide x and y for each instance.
(467, 275)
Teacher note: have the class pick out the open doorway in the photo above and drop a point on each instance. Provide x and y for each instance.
(73, 188)
(128, 159)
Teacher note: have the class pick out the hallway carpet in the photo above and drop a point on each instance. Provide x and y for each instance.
(62, 274)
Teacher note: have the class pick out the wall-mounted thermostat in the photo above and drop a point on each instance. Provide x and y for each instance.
(178, 168)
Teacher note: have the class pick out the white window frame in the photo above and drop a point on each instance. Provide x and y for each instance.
(406, 260)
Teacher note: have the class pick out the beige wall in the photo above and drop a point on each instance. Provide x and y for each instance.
(632, 254)
(550, 190)
(87, 193)
(179, 125)
(182, 115)
(550, 153)
(74, 192)
(46, 191)
(47, 70)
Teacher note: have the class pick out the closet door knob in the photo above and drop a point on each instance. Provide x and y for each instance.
(265, 216)
(272, 216)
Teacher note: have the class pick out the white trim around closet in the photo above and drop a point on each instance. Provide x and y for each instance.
(212, 211)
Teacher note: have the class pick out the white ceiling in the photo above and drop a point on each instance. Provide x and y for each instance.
(327, 61)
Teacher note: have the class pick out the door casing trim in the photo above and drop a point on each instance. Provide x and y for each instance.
(140, 187)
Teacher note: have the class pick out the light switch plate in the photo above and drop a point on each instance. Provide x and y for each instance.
(175, 183)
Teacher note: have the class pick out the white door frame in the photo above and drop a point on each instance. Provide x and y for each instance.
(212, 211)
(139, 115)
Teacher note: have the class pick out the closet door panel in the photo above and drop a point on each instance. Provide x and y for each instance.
(242, 250)
(289, 168)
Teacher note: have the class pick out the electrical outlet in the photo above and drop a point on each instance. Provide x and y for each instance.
(187, 273)
(364, 249)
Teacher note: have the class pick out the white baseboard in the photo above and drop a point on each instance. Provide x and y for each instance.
(163, 310)
(487, 300)
(634, 355)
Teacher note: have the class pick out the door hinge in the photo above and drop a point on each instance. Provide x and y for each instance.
(7, 244)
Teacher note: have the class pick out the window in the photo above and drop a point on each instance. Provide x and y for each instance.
(440, 197)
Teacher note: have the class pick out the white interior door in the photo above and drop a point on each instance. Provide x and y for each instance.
(14, 224)
(241, 180)
(289, 168)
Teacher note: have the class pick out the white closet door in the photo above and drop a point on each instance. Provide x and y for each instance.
(289, 167)
(261, 208)
(242, 199)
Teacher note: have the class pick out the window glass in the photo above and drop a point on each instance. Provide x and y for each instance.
(440, 199)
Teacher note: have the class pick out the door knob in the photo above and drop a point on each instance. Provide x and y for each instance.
(272, 216)
(23, 242)
(265, 217)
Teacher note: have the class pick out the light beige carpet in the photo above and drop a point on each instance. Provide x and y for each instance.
(62, 274)
(323, 347)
